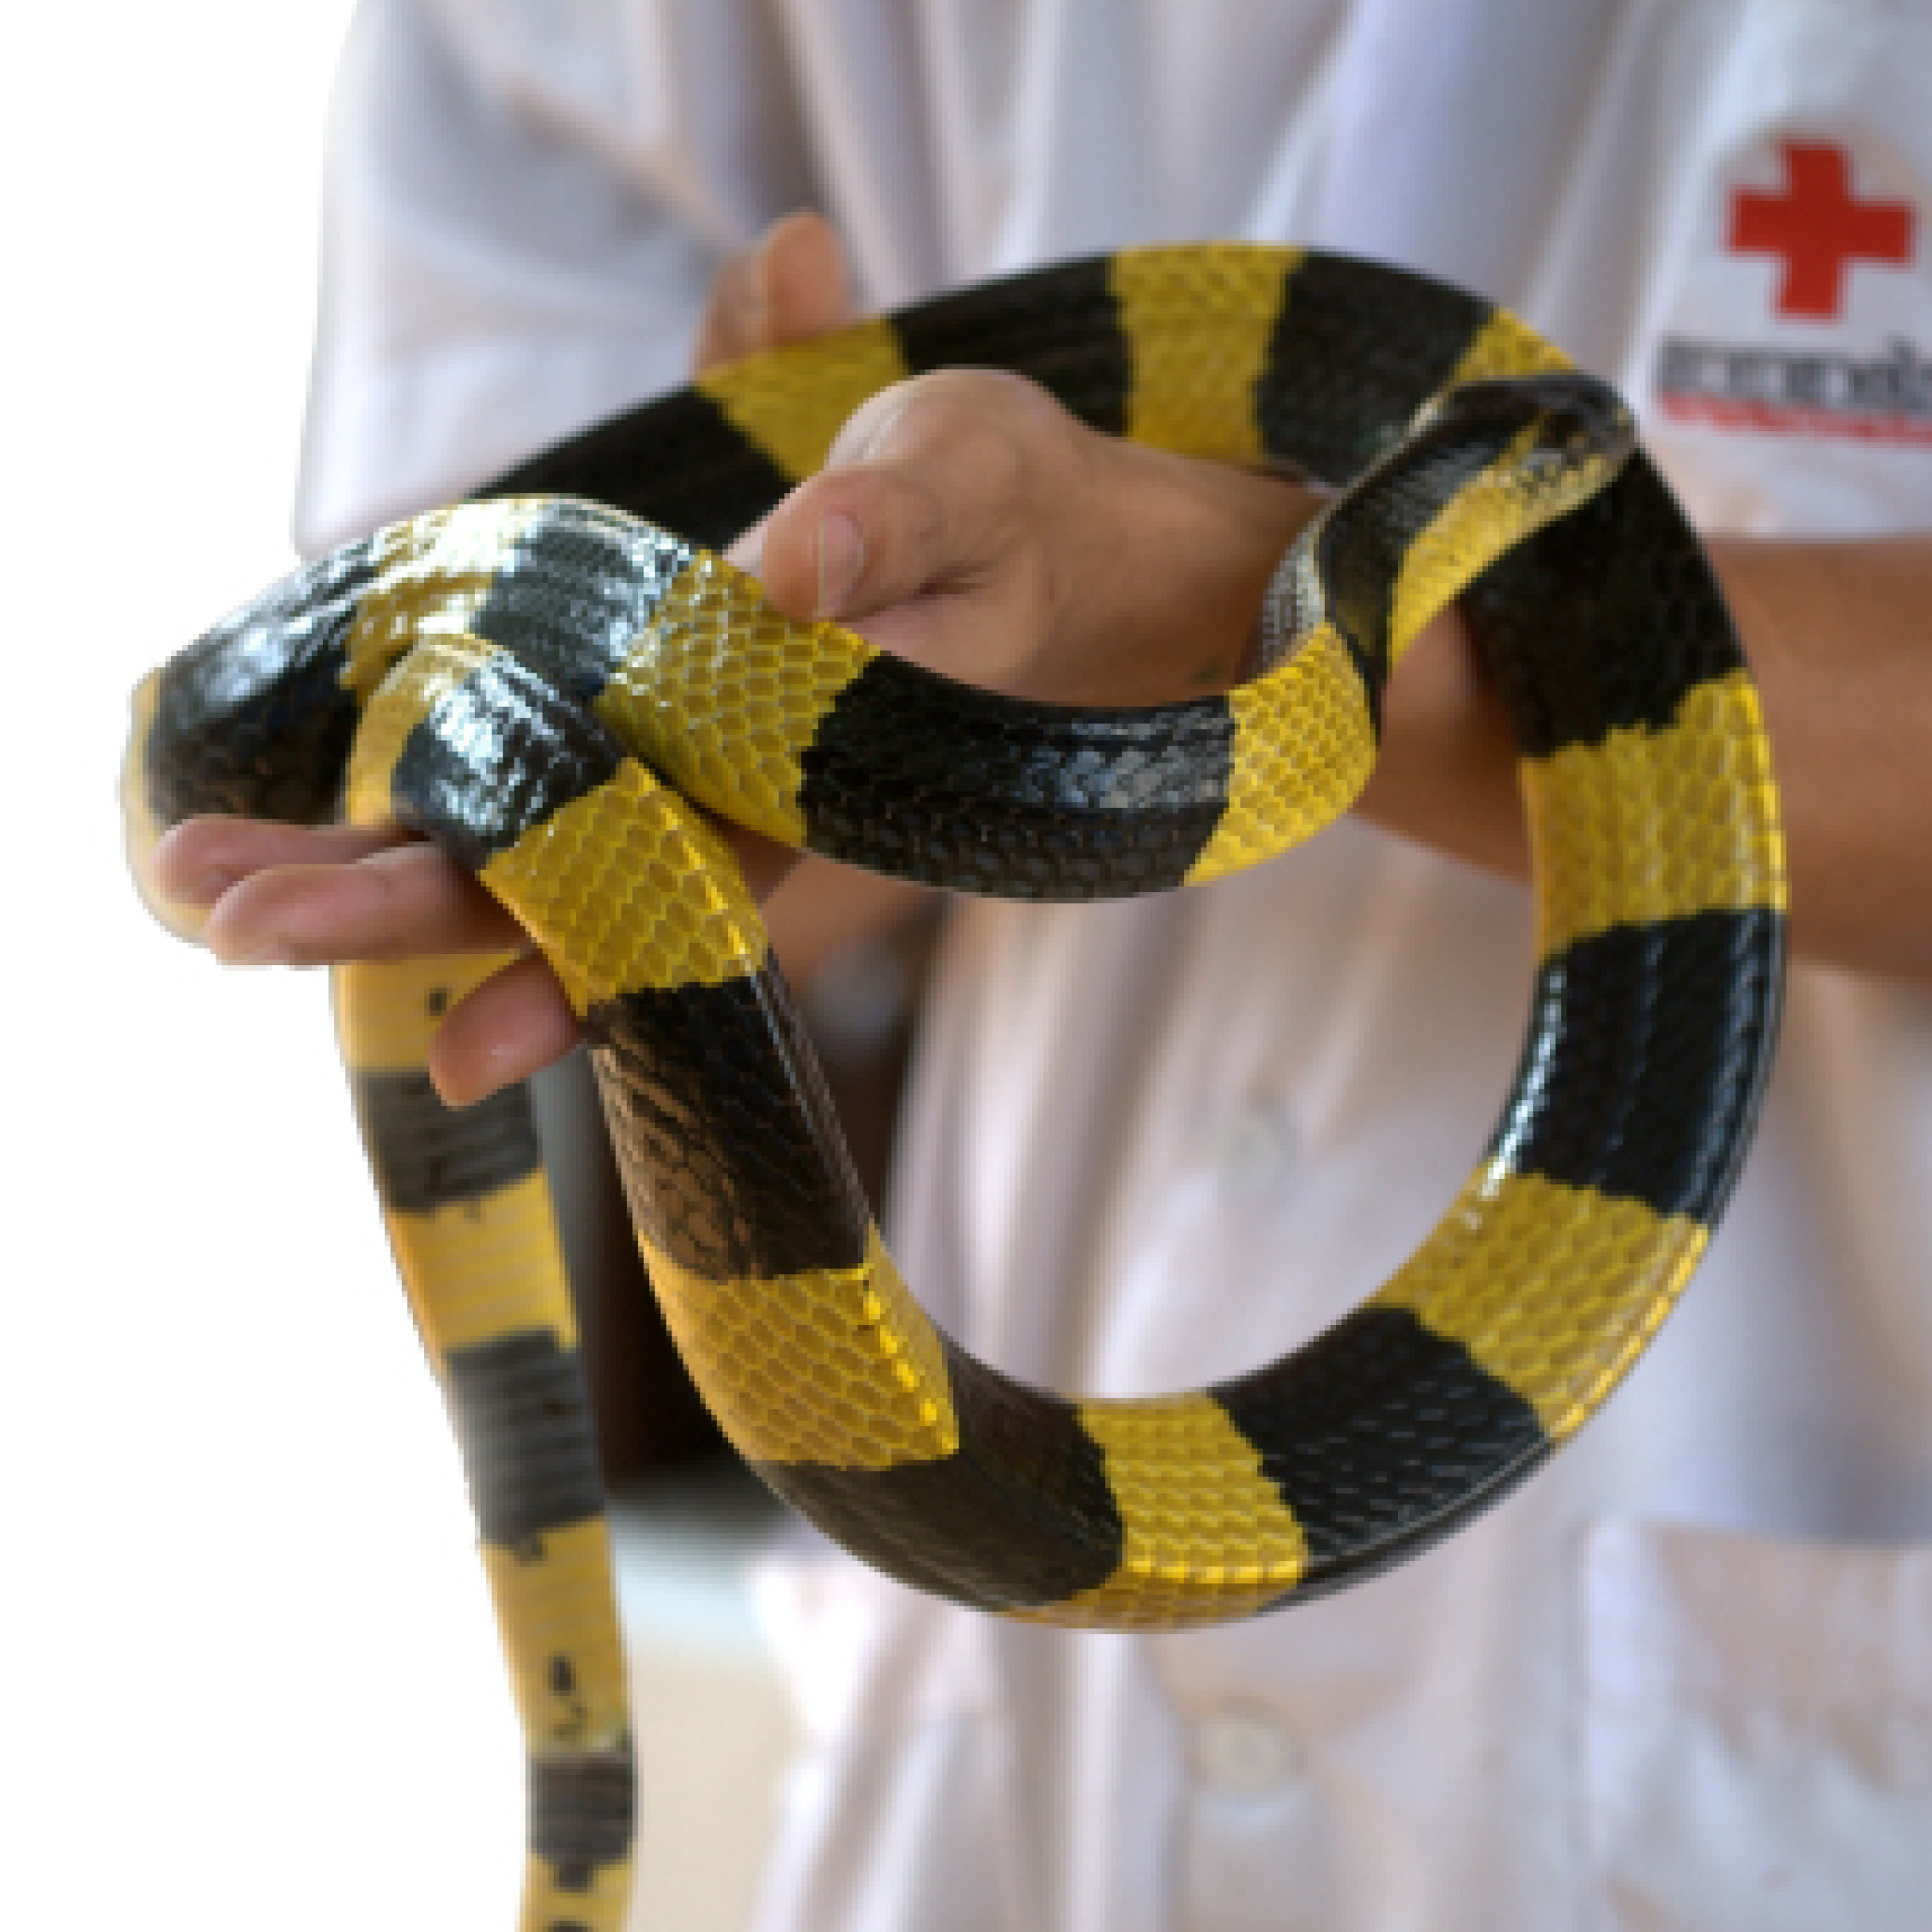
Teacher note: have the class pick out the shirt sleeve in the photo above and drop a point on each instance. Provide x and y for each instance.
(522, 211)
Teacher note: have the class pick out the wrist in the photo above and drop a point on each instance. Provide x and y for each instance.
(1177, 564)
(1445, 771)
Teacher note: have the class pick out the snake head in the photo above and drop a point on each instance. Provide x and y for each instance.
(1561, 432)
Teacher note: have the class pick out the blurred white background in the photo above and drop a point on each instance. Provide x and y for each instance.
(251, 1679)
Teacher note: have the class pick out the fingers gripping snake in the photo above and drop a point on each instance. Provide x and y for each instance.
(539, 677)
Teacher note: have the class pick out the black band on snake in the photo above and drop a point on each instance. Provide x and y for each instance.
(537, 678)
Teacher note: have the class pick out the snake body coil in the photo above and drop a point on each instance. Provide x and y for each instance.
(523, 676)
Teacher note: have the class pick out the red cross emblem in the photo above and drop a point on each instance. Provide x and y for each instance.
(1817, 228)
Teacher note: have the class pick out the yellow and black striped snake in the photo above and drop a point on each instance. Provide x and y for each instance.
(535, 677)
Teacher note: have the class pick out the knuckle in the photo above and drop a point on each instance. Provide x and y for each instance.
(996, 426)
(979, 407)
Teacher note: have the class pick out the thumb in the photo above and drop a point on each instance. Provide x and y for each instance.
(789, 285)
(927, 489)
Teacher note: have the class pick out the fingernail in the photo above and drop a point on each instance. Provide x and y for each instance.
(840, 552)
(254, 952)
(454, 1096)
(251, 946)
(482, 1074)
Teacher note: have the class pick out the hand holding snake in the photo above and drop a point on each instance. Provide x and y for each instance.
(487, 718)
(963, 498)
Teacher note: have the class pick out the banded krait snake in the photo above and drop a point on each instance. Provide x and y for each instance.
(501, 673)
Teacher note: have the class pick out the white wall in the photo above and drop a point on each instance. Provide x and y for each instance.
(250, 1679)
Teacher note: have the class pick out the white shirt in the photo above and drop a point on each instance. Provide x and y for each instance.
(1684, 1677)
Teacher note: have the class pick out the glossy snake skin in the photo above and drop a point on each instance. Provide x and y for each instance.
(537, 679)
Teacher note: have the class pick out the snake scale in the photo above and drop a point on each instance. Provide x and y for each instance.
(538, 675)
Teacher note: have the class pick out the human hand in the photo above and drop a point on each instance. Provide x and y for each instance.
(965, 520)
(321, 895)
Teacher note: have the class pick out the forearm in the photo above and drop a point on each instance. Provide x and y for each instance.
(1840, 637)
